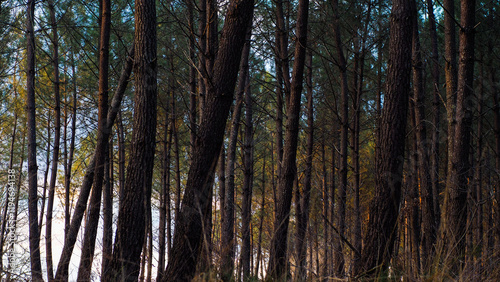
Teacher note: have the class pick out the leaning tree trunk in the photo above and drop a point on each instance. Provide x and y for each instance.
(81, 204)
(278, 253)
(189, 223)
(131, 225)
(384, 208)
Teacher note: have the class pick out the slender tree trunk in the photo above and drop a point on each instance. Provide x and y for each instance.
(278, 261)
(34, 238)
(342, 191)
(57, 137)
(261, 218)
(164, 213)
(248, 171)
(450, 71)
(107, 209)
(103, 135)
(422, 144)
(189, 224)
(304, 197)
(45, 176)
(453, 224)
(436, 103)
(384, 208)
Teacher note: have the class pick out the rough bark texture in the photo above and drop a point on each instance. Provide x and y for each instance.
(189, 223)
(131, 225)
(278, 254)
(384, 208)
(36, 268)
(453, 224)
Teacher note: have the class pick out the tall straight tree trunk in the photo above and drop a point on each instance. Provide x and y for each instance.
(278, 260)
(304, 197)
(424, 173)
(81, 204)
(453, 224)
(189, 224)
(261, 218)
(103, 135)
(45, 176)
(436, 103)
(384, 208)
(34, 238)
(57, 137)
(450, 71)
(164, 213)
(130, 230)
(69, 165)
(107, 210)
(248, 170)
(338, 257)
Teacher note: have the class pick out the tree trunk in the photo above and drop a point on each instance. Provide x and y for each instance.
(278, 261)
(164, 212)
(338, 257)
(248, 170)
(453, 224)
(384, 208)
(130, 230)
(34, 238)
(107, 209)
(434, 158)
(261, 218)
(422, 146)
(304, 197)
(450, 70)
(94, 209)
(189, 224)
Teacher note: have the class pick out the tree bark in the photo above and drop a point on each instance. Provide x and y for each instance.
(34, 238)
(248, 171)
(130, 230)
(338, 257)
(384, 208)
(305, 195)
(278, 261)
(453, 224)
(189, 224)
(57, 137)
(424, 168)
(94, 209)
